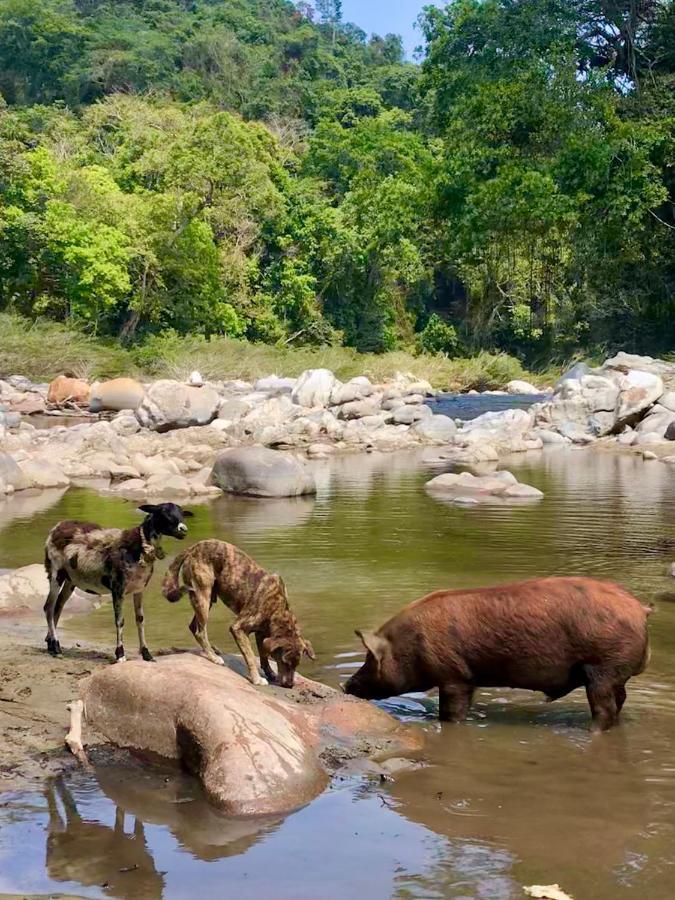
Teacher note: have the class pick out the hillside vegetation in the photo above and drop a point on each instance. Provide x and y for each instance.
(255, 170)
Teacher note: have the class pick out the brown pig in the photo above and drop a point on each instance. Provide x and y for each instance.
(548, 634)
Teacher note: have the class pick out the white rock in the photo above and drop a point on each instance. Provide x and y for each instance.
(314, 388)
(521, 387)
(523, 491)
(195, 379)
(637, 392)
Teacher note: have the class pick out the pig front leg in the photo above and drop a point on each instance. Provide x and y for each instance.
(454, 701)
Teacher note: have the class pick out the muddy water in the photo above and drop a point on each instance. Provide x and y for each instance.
(519, 795)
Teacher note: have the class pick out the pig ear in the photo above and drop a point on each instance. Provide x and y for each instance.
(372, 642)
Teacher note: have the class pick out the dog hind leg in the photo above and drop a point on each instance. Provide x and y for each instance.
(201, 601)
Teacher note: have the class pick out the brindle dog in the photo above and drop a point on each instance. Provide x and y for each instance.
(212, 569)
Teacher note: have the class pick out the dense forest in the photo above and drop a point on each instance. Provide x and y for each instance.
(266, 170)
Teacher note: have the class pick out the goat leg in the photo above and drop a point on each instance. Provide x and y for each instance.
(118, 601)
(140, 625)
(74, 736)
(53, 645)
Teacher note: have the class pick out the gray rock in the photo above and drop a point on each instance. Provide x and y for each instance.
(406, 415)
(392, 403)
(358, 409)
(260, 472)
(549, 437)
(667, 400)
(11, 473)
(576, 372)
(355, 389)
(658, 420)
(670, 432)
(275, 385)
(435, 429)
(171, 404)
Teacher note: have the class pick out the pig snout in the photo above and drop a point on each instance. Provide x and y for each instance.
(352, 687)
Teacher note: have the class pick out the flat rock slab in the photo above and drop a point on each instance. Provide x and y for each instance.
(256, 751)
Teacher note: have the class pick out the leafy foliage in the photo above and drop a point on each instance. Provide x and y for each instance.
(259, 170)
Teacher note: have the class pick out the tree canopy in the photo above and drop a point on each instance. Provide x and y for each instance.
(265, 170)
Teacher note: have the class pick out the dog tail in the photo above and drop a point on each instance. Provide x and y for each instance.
(171, 589)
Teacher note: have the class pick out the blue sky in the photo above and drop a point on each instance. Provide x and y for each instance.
(384, 16)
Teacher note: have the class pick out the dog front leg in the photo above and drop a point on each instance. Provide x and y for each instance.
(264, 659)
(244, 645)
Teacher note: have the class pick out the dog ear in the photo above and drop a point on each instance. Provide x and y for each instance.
(271, 644)
(148, 508)
(307, 649)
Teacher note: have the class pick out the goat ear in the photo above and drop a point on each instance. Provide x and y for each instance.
(373, 643)
(147, 508)
(188, 514)
(307, 649)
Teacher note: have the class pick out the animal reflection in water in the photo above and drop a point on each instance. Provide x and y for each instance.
(93, 854)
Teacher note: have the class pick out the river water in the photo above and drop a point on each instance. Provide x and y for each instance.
(521, 794)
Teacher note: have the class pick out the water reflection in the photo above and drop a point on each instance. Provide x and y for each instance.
(520, 794)
(97, 855)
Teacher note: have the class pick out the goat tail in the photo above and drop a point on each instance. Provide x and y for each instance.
(171, 589)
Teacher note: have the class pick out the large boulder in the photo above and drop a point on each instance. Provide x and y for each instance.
(260, 472)
(68, 390)
(658, 420)
(314, 388)
(638, 391)
(256, 751)
(435, 429)
(26, 589)
(170, 404)
(116, 395)
(11, 473)
(358, 409)
(627, 362)
(41, 472)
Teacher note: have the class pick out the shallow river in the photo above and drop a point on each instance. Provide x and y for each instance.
(520, 794)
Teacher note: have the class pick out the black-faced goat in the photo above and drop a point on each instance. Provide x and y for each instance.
(107, 560)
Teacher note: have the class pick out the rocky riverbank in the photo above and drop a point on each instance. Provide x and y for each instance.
(164, 438)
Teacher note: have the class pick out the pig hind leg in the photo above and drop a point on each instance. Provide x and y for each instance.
(606, 694)
(454, 701)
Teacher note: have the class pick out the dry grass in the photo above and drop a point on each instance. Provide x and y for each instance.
(41, 350)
